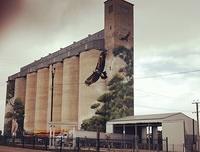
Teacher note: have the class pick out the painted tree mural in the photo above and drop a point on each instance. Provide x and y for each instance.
(117, 102)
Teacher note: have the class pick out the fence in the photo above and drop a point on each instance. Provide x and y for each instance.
(87, 144)
(32, 142)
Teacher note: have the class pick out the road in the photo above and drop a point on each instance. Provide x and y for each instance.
(14, 149)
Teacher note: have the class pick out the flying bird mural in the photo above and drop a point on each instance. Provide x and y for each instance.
(99, 70)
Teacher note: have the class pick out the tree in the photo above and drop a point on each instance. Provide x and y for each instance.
(117, 102)
(10, 90)
(18, 113)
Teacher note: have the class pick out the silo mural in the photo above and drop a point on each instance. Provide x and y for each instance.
(81, 72)
(88, 94)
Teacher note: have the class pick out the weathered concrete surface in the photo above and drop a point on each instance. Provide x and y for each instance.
(41, 107)
(70, 95)
(20, 89)
(30, 99)
(118, 24)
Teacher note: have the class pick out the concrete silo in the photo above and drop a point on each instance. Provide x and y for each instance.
(70, 95)
(30, 99)
(88, 94)
(41, 106)
(20, 89)
(118, 31)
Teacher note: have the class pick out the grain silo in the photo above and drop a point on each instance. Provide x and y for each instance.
(20, 89)
(41, 106)
(30, 99)
(70, 95)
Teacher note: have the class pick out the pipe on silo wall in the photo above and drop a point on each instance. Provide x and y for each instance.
(70, 94)
(30, 99)
(88, 94)
(57, 94)
(41, 106)
(20, 89)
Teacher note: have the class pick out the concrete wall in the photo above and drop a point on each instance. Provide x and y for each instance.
(41, 106)
(70, 94)
(20, 89)
(30, 99)
(118, 23)
(88, 94)
(93, 135)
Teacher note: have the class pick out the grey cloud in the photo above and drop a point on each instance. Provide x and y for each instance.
(183, 52)
(172, 61)
(164, 23)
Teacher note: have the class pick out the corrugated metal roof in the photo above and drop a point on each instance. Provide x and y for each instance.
(146, 117)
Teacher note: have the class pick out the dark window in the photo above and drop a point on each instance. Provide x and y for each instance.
(110, 27)
(124, 9)
(110, 9)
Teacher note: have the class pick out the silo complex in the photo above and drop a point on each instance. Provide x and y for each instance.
(72, 98)
(20, 89)
(30, 99)
(70, 95)
(41, 106)
(88, 94)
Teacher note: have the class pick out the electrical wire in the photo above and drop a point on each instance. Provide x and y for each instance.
(154, 94)
(161, 108)
(166, 75)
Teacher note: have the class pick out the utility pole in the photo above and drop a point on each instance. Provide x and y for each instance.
(52, 89)
(51, 116)
(196, 102)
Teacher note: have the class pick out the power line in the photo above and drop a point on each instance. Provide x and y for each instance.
(154, 94)
(166, 75)
(161, 108)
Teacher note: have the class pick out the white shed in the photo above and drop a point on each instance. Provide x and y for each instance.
(179, 129)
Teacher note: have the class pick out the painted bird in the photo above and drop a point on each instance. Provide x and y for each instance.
(99, 70)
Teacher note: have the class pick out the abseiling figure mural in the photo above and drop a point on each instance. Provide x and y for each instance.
(99, 70)
(14, 127)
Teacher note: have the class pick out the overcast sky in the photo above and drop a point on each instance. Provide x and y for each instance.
(167, 40)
